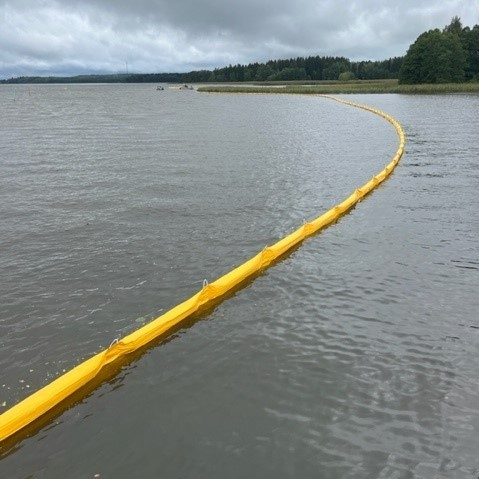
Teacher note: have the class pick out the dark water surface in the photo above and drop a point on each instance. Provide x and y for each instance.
(355, 357)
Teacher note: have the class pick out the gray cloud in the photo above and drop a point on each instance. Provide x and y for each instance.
(65, 37)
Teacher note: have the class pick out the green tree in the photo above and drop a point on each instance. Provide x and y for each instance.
(263, 72)
(333, 71)
(289, 74)
(346, 76)
(435, 57)
(454, 27)
(470, 40)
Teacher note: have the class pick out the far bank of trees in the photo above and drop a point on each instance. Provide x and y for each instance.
(300, 68)
(115, 78)
(450, 55)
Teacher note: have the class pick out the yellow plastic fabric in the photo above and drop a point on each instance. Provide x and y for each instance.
(57, 393)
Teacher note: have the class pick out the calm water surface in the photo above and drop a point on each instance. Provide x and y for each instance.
(355, 357)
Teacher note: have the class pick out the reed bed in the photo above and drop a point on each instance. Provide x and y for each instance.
(386, 86)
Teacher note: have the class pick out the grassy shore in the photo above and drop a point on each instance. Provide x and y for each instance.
(371, 86)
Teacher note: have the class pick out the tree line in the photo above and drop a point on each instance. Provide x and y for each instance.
(450, 55)
(114, 78)
(300, 69)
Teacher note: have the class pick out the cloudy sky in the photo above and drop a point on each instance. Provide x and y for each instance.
(65, 37)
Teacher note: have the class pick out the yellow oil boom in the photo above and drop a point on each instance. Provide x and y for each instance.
(50, 400)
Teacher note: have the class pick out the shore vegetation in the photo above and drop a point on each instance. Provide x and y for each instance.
(364, 87)
(446, 56)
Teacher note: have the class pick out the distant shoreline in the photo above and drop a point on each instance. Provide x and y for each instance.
(81, 79)
(292, 87)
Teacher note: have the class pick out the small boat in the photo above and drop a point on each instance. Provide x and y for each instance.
(159, 88)
(186, 87)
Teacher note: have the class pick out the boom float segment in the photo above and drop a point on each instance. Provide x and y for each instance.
(48, 401)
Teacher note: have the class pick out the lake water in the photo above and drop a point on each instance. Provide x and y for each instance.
(355, 357)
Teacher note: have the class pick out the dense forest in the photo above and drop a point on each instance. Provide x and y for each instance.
(450, 55)
(305, 69)
(310, 68)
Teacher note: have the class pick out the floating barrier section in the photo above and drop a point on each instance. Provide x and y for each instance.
(46, 402)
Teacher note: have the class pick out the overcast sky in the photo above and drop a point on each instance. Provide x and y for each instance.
(65, 37)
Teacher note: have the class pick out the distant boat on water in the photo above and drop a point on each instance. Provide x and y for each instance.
(182, 87)
(159, 88)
